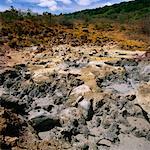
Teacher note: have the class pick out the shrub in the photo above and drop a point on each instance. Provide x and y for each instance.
(145, 26)
(13, 43)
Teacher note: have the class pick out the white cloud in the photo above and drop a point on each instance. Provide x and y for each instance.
(84, 2)
(53, 5)
(45, 3)
(54, 8)
(107, 4)
(67, 2)
(40, 1)
(9, 1)
(62, 5)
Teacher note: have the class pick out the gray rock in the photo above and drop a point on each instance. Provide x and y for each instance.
(143, 96)
(104, 142)
(2, 91)
(80, 90)
(69, 114)
(145, 72)
(129, 142)
(13, 103)
(112, 133)
(87, 107)
(42, 120)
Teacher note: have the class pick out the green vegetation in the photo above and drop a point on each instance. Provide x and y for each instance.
(127, 23)
(123, 12)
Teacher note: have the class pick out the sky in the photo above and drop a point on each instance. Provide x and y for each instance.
(55, 6)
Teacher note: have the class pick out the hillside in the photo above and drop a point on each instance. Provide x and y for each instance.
(131, 10)
(126, 23)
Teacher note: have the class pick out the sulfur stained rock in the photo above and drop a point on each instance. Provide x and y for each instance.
(143, 96)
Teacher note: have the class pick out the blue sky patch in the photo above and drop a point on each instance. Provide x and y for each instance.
(55, 6)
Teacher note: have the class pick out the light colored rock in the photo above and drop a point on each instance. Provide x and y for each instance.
(42, 74)
(69, 114)
(2, 91)
(41, 55)
(11, 140)
(37, 113)
(146, 70)
(138, 123)
(143, 96)
(122, 88)
(62, 66)
(131, 143)
(85, 104)
(86, 108)
(75, 71)
(44, 135)
(104, 142)
(34, 48)
(77, 101)
(42, 102)
(80, 90)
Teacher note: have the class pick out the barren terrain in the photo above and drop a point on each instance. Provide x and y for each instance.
(75, 97)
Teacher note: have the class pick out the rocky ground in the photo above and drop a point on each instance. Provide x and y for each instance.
(84, 97)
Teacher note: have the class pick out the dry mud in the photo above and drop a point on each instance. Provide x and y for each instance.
(76, 98)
